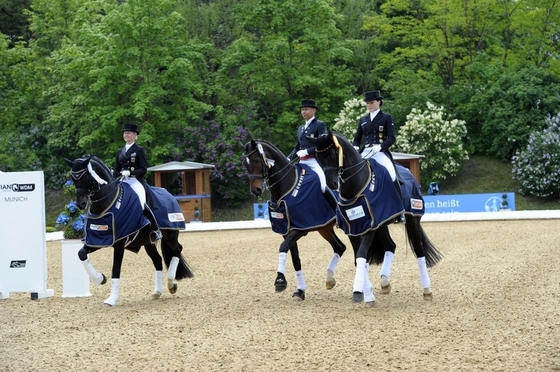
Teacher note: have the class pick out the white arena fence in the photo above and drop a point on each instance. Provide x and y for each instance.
(428, 217)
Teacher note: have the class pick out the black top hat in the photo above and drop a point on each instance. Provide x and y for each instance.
(308, 103)
(131, 128)
(372, 96)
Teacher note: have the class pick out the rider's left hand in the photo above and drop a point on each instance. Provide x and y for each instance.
(125, 173)
(302, 153)
(375, 149)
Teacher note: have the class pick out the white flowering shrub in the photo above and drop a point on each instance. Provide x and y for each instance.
(537, 167)
(440, 141)
(347, 120)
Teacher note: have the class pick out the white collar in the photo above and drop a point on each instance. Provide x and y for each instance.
(372, 114)
(309, 121)
(127, 146)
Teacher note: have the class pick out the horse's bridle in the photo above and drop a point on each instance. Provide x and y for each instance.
(340, 169)
(94, 187)
(264, 175)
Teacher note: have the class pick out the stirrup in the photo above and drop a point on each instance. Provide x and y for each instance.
(155, 235)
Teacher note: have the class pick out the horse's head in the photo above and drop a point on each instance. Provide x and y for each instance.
(89, 175)
(254, 161)
(327, 155)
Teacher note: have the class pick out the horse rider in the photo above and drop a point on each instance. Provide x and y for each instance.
(131, 162)
(377, 131)
(305, 149)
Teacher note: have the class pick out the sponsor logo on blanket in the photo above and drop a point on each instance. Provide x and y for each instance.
(175, 217)
(99, 227)
(355, 213)
(277, 215)
(416, 203)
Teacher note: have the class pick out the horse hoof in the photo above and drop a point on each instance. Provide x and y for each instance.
(357, 297)
(104, 280)
(331, 283)
(156, 295)
(427, 294)
(173, 288)
(385, 285)
(280, 284)
(370, 304)
(298, 295)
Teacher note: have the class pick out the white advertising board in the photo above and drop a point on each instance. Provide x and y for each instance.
(23, 250)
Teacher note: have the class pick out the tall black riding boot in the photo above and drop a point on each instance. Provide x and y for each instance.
(399, 219)
(155, 235)
(331, 198)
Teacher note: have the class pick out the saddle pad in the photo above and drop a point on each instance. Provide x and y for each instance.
(378, 203)
(413, 201)
(304, 207)
(168, 214)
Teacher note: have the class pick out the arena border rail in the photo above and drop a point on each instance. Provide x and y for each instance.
(428, 217)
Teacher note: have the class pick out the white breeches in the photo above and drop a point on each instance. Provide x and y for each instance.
(383, 160)
(312, 163)
(138, 189)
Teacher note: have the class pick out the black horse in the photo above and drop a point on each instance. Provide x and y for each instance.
(368, 203)
(297, 206)
(114, 218)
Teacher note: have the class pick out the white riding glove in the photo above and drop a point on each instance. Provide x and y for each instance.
(357, 148)
(125, 173)
(302, 153)
(375, 149)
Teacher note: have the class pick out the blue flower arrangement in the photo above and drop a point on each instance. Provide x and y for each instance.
(71, 221)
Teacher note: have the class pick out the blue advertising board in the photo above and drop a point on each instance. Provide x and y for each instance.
(260, 211)
(470, 203)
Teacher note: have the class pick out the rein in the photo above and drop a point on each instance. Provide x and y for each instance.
(265, 176)
(361, 164)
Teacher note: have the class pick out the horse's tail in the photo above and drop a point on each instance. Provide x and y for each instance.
(183, 269)
(382, 242)
(432, 254)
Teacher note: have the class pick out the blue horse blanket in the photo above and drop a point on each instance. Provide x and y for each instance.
(125, 217)
(303, 207)
(413, 202)
(378, 203)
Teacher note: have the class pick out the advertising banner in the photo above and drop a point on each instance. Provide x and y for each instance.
(23, 250)
(470, 203)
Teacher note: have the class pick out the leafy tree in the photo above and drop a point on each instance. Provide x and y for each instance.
(289, 50)
(513, 108)
(346, 122)
(208, 142)
(13, 22)
(537, 165)
(440, 140)
(126, 62)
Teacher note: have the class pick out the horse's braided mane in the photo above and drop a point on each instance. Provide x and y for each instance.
(269, 144)
(99, 162)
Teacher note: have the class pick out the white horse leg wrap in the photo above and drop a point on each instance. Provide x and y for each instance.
(159, 282)
(172, 269)
(387, 264)
(95, 276)
(282, 263)
(300, 280)
(359, 279)
(112, 299)
(424, 278)
(334, 262)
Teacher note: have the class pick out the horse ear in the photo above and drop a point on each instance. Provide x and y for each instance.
(253, 143)
(69, 162)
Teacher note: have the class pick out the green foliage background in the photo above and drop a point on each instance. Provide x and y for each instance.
(72, 72)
